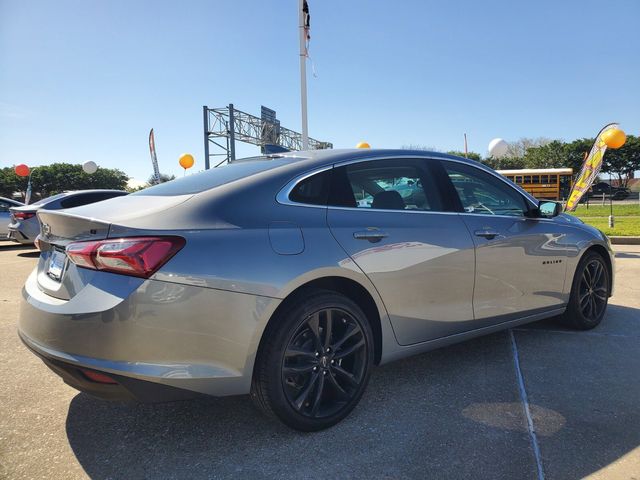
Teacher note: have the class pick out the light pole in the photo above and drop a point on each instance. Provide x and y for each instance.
(302, 14)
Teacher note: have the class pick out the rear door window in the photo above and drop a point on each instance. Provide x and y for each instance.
(396, 184)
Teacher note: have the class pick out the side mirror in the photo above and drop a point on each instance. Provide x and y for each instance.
(549, 209)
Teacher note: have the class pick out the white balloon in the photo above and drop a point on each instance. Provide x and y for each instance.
(89, 167)
(498, 148)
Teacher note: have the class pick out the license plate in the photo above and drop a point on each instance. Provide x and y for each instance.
(56, 265)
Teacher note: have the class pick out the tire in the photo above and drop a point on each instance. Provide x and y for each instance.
(589, 293)
(296, 378)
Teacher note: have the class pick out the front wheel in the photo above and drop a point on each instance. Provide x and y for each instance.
(589, 293)
(315, 362)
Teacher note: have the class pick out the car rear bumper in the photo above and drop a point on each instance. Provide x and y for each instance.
(124, 389)
(17, 236)
(142, 332)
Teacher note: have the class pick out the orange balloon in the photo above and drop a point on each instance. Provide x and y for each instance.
(363, 145)
(186, 160)
(22, 170)
(614, 138)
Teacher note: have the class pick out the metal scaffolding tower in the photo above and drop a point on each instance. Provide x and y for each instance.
(223, 126)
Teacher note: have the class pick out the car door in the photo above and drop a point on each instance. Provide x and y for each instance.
(520, 261)
(388, 215)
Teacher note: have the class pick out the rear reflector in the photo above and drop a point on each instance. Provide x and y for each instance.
(24, 215)
(98, 377)
(135, 256)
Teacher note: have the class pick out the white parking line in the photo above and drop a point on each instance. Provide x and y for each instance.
(525, 404)
(581, 333)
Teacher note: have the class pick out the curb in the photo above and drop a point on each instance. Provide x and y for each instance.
(625, 240)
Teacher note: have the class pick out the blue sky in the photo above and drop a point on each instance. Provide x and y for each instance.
(86, 80)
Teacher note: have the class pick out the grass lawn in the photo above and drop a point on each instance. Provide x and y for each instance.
(603, 211)
(623, 226)
(627, 218)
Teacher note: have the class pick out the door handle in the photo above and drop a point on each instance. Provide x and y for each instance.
(486, 233)
(371, 235)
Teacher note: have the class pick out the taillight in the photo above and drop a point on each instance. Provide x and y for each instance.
(24, 215)
(136, 256)
(98, 377)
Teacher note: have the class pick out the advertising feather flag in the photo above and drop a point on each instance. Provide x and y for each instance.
(590, 168)
(154, 159)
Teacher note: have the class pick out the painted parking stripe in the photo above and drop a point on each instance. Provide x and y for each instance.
(525, 403)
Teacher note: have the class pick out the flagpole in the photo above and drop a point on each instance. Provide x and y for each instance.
(303, 75)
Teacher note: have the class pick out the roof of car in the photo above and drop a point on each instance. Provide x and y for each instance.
(320, 156)
(11, 200)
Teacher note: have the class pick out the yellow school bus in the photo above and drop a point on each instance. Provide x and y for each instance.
(547, 183)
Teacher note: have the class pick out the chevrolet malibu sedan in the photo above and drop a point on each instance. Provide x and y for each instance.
(289, 277)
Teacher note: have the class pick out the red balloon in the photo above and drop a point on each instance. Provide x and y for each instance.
(22, 170)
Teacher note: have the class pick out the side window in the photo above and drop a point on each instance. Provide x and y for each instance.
(313, 190)
(398, 184)
(481, 193)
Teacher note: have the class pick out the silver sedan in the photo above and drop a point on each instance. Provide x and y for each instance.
(291, 276)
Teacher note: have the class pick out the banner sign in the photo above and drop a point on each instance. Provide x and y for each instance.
(154, 159)
(589, 171)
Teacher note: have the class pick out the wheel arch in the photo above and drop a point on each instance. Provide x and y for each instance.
(344, 286)
(604, 253)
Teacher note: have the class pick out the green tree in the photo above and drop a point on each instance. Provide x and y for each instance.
(550, 155)
(11, 183)
(48, 180)
(504, 163)
(576, 151)
(622, 162)
(472, 155)
(164, 177)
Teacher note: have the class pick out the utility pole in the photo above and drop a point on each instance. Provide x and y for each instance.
(303, 74)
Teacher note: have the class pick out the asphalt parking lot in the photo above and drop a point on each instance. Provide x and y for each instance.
(457, 412)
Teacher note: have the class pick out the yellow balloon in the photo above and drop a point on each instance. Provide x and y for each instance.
(363, 145)
(186, 160)
(614, 138)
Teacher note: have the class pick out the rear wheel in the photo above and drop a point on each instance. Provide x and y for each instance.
(589, 293)
(315, 362)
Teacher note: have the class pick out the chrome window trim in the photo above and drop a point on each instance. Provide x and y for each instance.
(282, 196)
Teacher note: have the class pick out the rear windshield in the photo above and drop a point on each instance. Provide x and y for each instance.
(198, 182)
(49, 199)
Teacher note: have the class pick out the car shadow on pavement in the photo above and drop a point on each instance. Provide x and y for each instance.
(34, 254)
(451, 413)
(5, 245)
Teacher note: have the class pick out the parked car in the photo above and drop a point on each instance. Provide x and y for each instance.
(5, 215)
(274, 276)
(24, 227)
(617, 193)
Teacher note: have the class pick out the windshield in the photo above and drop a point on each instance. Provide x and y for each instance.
(214, 177)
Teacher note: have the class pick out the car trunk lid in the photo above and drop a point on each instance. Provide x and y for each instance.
(57, 275)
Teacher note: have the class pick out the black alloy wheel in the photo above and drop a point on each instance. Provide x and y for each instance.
(324, 363)
(593, 290)
(314, 361)
(589, 293)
